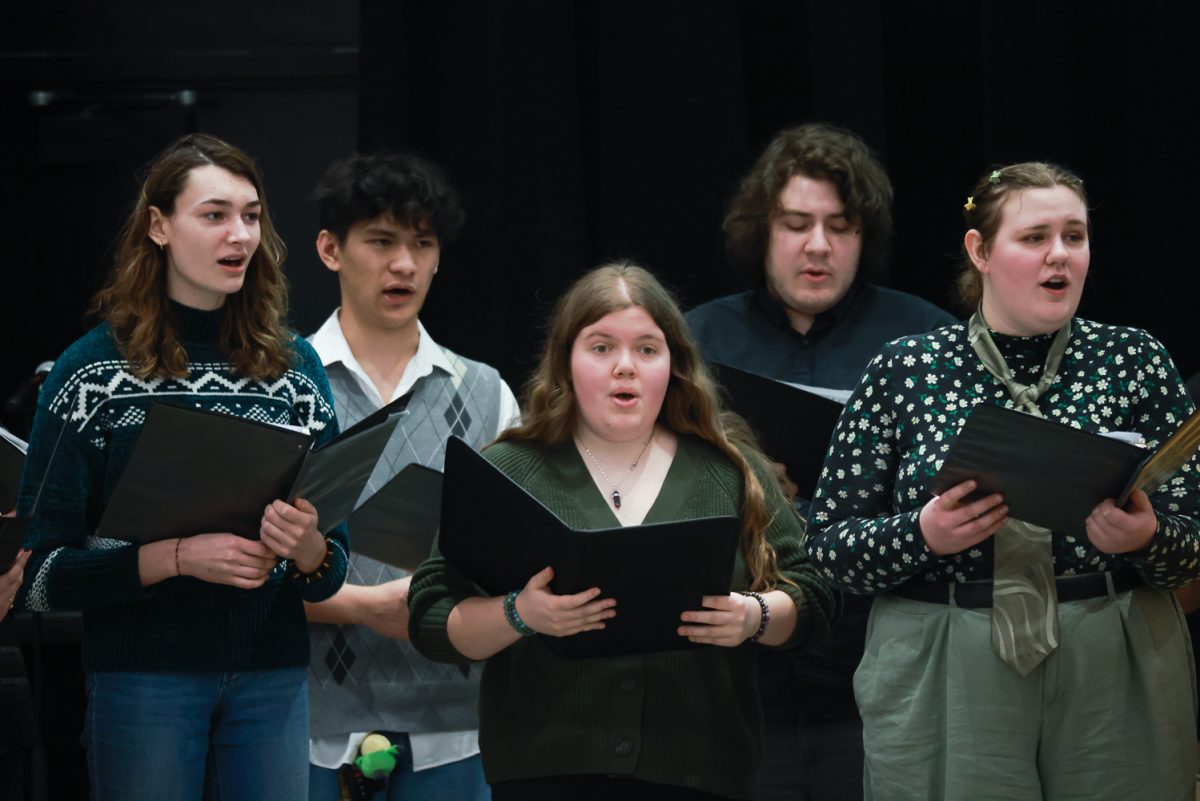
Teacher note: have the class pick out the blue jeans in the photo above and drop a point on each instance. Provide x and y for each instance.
(150, 735)
(456, 781)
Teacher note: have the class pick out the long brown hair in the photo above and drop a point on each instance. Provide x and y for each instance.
(984, 212)
(691, 405)
(134, 299)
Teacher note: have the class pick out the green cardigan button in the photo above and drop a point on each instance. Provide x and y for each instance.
(624, 748)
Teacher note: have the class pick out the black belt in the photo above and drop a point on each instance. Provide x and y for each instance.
(977, 594)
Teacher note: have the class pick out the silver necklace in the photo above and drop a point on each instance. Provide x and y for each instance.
(616, 492)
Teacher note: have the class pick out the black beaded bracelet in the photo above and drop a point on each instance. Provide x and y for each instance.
(766, 613)
(513, 617)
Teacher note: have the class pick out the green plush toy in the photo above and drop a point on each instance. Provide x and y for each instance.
(377, 757)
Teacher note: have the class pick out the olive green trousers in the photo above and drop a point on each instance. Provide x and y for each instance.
(1110, 715)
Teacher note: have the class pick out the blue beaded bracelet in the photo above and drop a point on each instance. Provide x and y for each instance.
(513, 618)
(766, 614)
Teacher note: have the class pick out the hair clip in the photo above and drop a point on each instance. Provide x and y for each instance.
(970, 204)
(995, 177)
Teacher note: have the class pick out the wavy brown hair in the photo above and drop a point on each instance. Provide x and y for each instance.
(691, 406)
(984, 212)
(254, 336)
(823, 153)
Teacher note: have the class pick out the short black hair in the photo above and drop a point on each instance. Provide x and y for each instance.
(408, 187)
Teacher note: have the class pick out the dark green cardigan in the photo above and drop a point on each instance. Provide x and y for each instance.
(686, 718)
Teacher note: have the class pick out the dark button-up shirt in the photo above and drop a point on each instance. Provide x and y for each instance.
(751, 331)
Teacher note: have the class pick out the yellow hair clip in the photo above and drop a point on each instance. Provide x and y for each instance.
(970, 204)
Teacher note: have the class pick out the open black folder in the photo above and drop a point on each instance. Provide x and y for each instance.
(12, 534)
(793, 425)
(195, 471)
(499, 536)
(397, 524)
(12, 458)
(1053, 475)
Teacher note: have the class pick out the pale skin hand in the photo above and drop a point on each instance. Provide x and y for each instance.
(292, 533)
(561, 615)
(218, 558)
(730, 620)
(1115, 530)
(949, 526)
(478, 629)
(382, 607)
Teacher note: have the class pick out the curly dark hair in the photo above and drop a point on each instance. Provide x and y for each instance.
(408, 187)
(821, 152)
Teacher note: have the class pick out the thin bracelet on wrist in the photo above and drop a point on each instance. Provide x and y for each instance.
(766, 614)
(178, 542)
(513, 617)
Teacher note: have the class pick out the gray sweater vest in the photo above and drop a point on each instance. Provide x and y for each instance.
(358, 680)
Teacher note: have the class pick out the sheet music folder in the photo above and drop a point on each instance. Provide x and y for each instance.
(12, 535)
(12, 458)
(1050, 474)
(194, 471)
(499, 536)
(793, 425)
(397, 524)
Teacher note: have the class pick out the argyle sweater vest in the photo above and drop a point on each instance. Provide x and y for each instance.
(360, 681)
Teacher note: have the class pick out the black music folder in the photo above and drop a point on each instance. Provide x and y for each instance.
(194, 471)
(398, 523)
(498, 535)
(12, 458)
(12, 534)
(1053, 475)
(793, 425)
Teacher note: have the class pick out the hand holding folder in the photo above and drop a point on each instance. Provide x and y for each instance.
(499, 536)
(1053, 475)
(194, 471)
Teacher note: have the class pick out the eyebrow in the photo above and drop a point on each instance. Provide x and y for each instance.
(798, 213)
(1047, 226)
(383, 230)
(215, 201)
(607, 335)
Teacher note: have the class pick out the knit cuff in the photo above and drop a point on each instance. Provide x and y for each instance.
(431, 637)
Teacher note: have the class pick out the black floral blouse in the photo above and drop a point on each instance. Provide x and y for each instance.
(909, 406)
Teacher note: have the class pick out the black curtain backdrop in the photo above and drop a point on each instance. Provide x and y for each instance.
(580, 132)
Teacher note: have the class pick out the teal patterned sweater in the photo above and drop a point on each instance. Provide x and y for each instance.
(96, 405)
(899, 423)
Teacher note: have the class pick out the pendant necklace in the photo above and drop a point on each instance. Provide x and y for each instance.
(616, 491)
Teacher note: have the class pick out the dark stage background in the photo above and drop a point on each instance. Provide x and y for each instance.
(583, 131)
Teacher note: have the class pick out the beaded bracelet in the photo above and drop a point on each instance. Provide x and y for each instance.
(766, 614)
(513, 618)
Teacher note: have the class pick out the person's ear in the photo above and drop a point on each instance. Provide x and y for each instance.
(974, 245)
(329, 249)
(158, 227)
